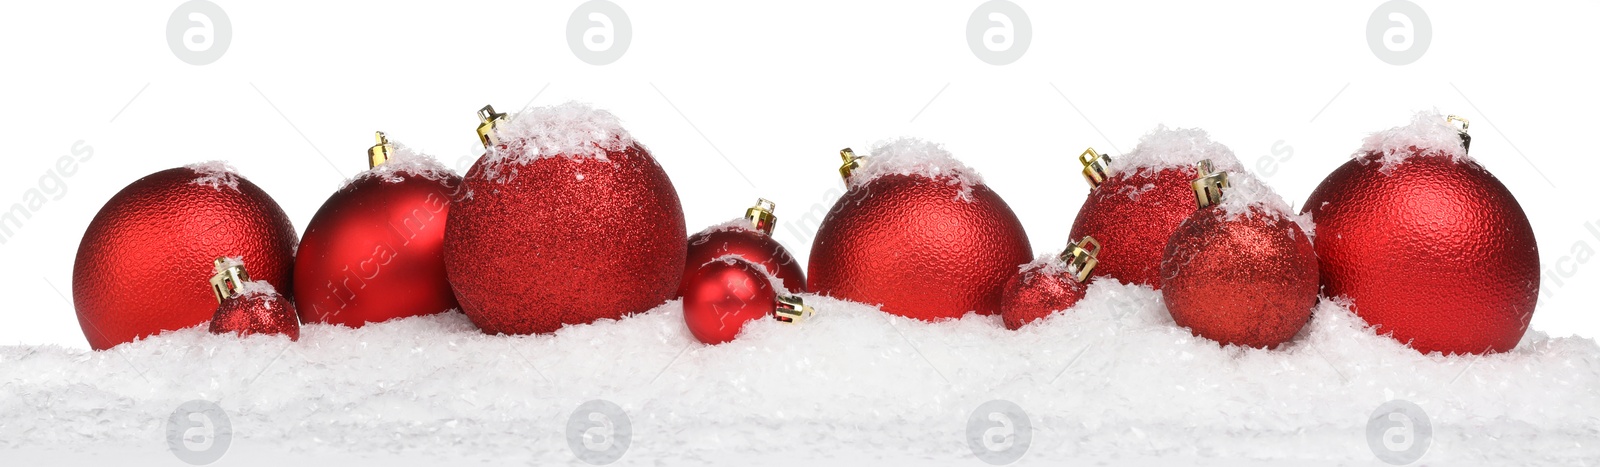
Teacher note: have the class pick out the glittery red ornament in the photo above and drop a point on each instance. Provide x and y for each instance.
(143, 254)
(1242, 272)
(248, 307)
(375, 250)
(1136, 201)
(566, 220)
(919, 235)
(750, 239)
(1428, 246)
(1048, 285)
(721, 296)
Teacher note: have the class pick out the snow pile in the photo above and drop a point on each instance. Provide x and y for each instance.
(1249, 196)
(1176, 148)
(215, 174)
(405, 161)
(912, 156)
(1429, 134)
(1112, 380)
(573, 130)
(1049, 264)
(737, 223)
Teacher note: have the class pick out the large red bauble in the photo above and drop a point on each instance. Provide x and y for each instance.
(261, 310)
(918, 247)
(747, 244)
(1037, 291)
(375, 250)
(540, 240)
(1436, 252)
(721, 296)
(1240, 279)
(145, 261)
(1134, 212)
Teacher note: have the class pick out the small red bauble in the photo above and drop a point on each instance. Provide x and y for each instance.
(375, 250)
(566, 220)
(1240, 272)
(1138, 200)
(1430, 248)
(750, 239)
(140, 260)
(918, 234)
(1048, 285)
(721, 296)
(248, 307)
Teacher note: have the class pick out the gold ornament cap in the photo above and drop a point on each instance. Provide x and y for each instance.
(489, 120)
(1094, 166)
(379, 153)
(1466, 139)
(1081, 257)
(761, 216)
(1209, 185)
(229, 278)
(791, 309)
(851, 162)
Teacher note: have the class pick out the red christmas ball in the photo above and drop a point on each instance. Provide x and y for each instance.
(1141, 199)
(375, 250)
(1241, 272)
(143, 262)
(566, 220)
(750, 240)
(918, 234)
(257, 309)
(1428, 246)
(1048, 285)
(721, 296)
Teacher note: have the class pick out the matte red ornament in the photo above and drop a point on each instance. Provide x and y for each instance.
(1428, 246)
(143, 262)
(566, 220)
(721, 296)
(248, 307)
(750, 239)
(1048, 285)
(918, 235)
(375, 250)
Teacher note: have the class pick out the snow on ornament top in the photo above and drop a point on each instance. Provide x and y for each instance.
(1180, 148)
(215, 174)
(573, 130)
(737, 223)
(402, 160)
(1049, 264)
(1429, 134)
(772, 279)
(1248, 196)
(912, 156)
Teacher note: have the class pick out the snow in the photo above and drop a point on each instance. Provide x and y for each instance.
(1427, 135)
(1175, 148)
(737, 223)
(912, 156)
(405, 161)
(1111, 380)
(575, 130)
(215, 174)
(1049, 264)
(1249, 196)
(257, 287)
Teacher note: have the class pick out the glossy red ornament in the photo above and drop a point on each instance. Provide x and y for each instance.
(144, 253)
(1430, 249)
(375, 250)
(246, 307)
(919, 246)
(1048, 285)
(721, 296)
(750, 239)
(1247, 279)
(566, 220)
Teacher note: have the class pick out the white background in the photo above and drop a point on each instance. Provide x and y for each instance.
(746, 99)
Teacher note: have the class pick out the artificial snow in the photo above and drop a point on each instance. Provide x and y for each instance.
(1175, 148)
(1111, 380)
(737, 223)
(1049, 264)
(1249, 196)
(912, 156)
(1429, 134)
(215, 174)
(573, 130)
(405, 161)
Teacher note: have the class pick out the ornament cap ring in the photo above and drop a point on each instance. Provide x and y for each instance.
(793, 310)
(1210, 184)
(1081, 257)
(1095, 168)
(761, 216)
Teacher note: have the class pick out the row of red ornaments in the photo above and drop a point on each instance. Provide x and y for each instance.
(541, 251)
